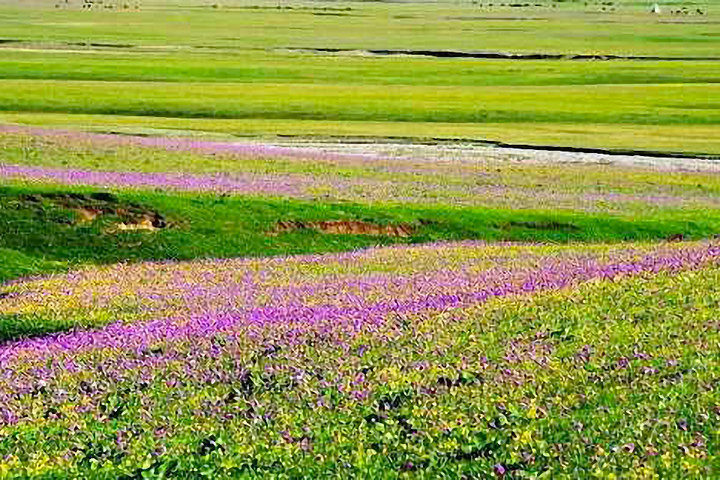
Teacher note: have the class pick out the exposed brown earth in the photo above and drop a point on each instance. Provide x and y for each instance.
(346, 227)
(125, 216)
(678, 237)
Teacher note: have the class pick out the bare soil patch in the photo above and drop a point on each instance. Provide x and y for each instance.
(87, 208)
(346, 227)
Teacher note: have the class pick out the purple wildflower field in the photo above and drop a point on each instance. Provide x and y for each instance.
(281, 333)
(455, 359)
(337, 295)
(237, 184)
(317, 173)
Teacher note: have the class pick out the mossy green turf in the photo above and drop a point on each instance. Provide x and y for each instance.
(41, 240)
(192, 66)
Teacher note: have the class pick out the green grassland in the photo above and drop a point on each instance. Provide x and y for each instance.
(235, 68)
(612, 378)
(42, 237)
(506, 108)
(279, 66)
(575, 104)
(562, 27)
(39, 240)
(122, 154)
(678, 139)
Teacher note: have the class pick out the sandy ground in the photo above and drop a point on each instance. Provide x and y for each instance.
(475, 153)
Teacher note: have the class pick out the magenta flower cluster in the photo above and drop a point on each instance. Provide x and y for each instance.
(287, 300)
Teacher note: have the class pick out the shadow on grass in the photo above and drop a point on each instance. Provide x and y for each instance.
(18, 327)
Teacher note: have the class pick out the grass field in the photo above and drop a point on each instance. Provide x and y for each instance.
(241, 68)
(630, 30)
(479, 197)
(292, 240)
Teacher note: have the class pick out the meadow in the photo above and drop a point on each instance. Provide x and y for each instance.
(649, 83)
(359, 240)
(224, 199)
